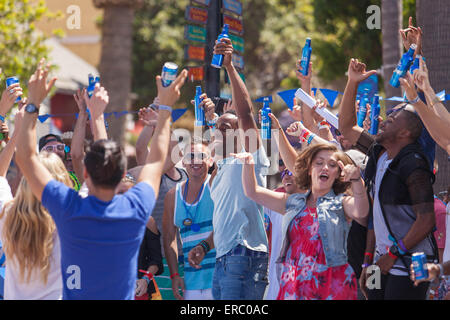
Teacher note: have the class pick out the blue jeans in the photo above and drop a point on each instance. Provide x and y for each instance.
(241, 274)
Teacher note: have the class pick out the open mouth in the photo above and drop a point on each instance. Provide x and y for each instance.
(323, 177)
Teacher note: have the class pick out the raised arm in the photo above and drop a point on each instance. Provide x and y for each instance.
(97, 104)
(347, 116)
(154, 165)
(241, 97)
(79, 133)
(150, 118)
(27, 159)
(6, 103)
(436, 124)
(275, 201)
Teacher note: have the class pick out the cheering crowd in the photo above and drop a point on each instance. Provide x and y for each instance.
(82, 225)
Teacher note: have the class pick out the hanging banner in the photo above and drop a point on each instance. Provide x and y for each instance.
(238, 61)
(196, 73)
(194, 53)
(233, 6)
(196, 15)
(238, 43)
(202, 2)
(236, 25)
(195, 33)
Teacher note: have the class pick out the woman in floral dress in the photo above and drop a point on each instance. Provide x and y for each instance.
(313, 259)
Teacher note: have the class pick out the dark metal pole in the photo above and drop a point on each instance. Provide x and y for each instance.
(213, 28)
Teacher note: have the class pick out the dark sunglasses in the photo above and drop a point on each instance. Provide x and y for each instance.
(391, 111)
(285, 172)
(54, 148)
(196, 156)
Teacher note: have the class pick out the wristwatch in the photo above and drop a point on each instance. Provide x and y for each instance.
(394, 250)
(31, 108)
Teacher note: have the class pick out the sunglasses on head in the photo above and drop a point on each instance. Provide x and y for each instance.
(54, 148)
(285, 172)
(391, 111)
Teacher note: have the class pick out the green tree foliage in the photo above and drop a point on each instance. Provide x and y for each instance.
(343, 35)
(21, 45)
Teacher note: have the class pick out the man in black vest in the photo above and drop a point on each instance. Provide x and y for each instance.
(399, 180)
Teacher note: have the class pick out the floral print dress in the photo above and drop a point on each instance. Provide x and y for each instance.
(305, 275)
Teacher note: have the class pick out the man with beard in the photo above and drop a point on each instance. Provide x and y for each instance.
(399, 179)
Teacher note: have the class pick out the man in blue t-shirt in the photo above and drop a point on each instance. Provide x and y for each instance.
(100, 235)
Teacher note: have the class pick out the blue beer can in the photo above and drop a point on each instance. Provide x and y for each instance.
(10, 81)
(169, 73)
(419, 259)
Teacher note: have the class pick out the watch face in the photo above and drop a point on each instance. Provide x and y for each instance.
(31, 108)
(394, 250)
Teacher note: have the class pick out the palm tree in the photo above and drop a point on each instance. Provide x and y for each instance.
(432, 17)
(115, 62)
(391, 21)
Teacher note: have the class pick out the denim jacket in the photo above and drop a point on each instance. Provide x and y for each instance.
(333, 226)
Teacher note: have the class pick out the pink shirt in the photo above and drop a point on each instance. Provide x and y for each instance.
(439, 234)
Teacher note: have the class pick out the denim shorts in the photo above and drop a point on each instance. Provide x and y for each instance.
(241, 274)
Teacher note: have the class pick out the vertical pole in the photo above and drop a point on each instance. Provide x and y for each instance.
(213, 28)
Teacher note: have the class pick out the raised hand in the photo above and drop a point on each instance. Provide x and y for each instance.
(169, 95)
(421, 78)
(295, 129)
(349, 172)
(357, 71)
(225, 48)
(411, 35)
(9, 97)
(407, 84)
(228, 106)
(148, 116)
(79, 99)
(297, 112)
(38, 88)
(244, 157)
(208, 106)
(303, 79)
(98, 102)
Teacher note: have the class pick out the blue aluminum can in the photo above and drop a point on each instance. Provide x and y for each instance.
(419, 259)
(10, 81)
(169, 73)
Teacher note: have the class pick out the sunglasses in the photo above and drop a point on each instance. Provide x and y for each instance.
(191, 156)
(285, 172)
(391, 111)
(54, 148)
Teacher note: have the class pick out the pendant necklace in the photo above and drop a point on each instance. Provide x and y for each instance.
(189, 221)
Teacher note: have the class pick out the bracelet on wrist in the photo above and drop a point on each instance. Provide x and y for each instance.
(369, 254)
(2, 118)
(164, 107)
(365, 265)
(205, 246)
(173, 275)
(415, 100)
(401, 247)
(393, 256)
(310, 138)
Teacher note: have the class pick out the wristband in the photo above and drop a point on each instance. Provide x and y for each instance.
(163, 107)
(401, 247)
(393, 256)
(324, 125)
(310, 138)
(369, 254)
(305, 134)
(174, 275)
(417, 99)
(365, 265)
(2, 118)
(205, 246)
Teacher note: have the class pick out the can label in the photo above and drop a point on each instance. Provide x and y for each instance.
(169, 73)
(419, 260)
(10, 81)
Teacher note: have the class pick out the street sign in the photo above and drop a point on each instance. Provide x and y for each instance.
(196, 73)
(195, 33)
(196, 15)
(194, 53)
(238, 61)
(238, 43)
(234, 6)
(236, 25)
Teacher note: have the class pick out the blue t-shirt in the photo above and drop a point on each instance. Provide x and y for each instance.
(99, 240)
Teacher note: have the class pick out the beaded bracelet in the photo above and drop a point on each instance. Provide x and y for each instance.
(205, 246)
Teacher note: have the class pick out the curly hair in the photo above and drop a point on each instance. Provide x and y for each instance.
(304, 161)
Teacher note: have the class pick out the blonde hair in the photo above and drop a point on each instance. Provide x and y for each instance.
(28, 231)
